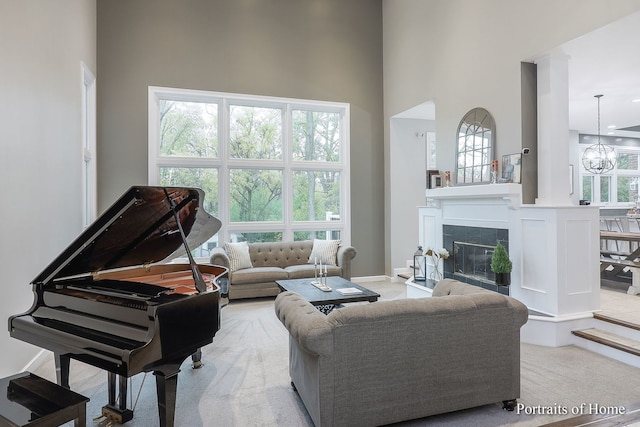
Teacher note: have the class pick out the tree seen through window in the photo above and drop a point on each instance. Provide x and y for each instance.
(271, 169)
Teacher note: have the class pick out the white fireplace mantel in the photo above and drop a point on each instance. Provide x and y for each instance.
(511, 193)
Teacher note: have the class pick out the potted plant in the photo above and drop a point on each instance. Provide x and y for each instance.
(501, 265)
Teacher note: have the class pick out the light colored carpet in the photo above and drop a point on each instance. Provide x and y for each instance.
(245, 379)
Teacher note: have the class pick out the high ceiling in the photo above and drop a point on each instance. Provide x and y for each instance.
(606, 62)
(603, 62)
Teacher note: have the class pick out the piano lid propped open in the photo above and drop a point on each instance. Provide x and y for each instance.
(140, 228)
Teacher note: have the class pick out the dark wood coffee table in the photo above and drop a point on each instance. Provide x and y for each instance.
(326, 301)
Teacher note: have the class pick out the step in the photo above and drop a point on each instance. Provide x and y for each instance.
(609, 339)
(631, 417)
(406, 276)
(615, 321)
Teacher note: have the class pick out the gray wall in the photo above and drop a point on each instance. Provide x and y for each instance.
(325, 50)
(529, 105)
(43, 44)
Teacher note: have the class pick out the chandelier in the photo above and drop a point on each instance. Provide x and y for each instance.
(599, 158)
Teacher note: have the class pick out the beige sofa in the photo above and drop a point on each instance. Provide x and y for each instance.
(277, 261)
(396, 360)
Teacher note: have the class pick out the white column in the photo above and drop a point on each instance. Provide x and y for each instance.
(553, 131)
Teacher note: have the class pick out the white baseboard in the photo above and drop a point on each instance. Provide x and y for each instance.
(363, 279)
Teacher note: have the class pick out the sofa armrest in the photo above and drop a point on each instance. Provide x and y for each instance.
(220, 257)
(456, 287)
(345, 255)
(447, 287)
(306, 324)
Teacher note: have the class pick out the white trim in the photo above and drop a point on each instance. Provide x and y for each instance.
(89, 150)
(364, 279)
(153, 128)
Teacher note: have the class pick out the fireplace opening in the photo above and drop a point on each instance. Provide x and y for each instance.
(473, 261)
(471, 249)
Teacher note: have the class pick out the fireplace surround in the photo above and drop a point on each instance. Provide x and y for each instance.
(548, 245)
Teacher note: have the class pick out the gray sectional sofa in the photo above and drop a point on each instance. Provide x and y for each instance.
(396, 360)
(276, 261)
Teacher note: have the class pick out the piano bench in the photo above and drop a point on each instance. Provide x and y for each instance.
(28, 400)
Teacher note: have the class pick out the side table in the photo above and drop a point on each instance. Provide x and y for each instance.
(28, 400)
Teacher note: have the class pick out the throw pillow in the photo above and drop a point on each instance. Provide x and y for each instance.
(238, 255)
(324, 251)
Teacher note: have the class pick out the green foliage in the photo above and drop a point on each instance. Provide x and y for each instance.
(309, 235)
(314, 194)
(500, 262)
(255, 133)
(189, 130)
(587, 188)
(316, 136)
(623, 189)
(203, 178)
(605, 187)
(256, 195)
(274, 236)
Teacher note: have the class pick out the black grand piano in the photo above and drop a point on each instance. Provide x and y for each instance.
(110, 301)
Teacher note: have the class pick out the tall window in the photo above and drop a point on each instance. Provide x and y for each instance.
(620, 186)
(273, 169)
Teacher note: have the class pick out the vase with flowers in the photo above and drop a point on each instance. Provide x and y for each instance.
(436, 256)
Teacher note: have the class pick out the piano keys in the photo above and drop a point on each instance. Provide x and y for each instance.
(112, 300)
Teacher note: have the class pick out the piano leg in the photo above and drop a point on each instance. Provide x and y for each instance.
(117, 411)
(62, 369)
(111, 388)
(196, 359)
(122, 401)
(166, 387)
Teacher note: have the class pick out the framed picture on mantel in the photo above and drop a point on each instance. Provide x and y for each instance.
(436, 181)
(431, 173)
(511, 168)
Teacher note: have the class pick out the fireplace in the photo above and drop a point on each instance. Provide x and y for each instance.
(471, 249)
(547, 245)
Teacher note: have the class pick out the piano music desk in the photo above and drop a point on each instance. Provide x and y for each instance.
(28, 400)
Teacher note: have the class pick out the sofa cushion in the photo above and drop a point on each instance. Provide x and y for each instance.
(324, 251)
(280, 254)
(258, 275)
(304, 271)
(238, 255)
